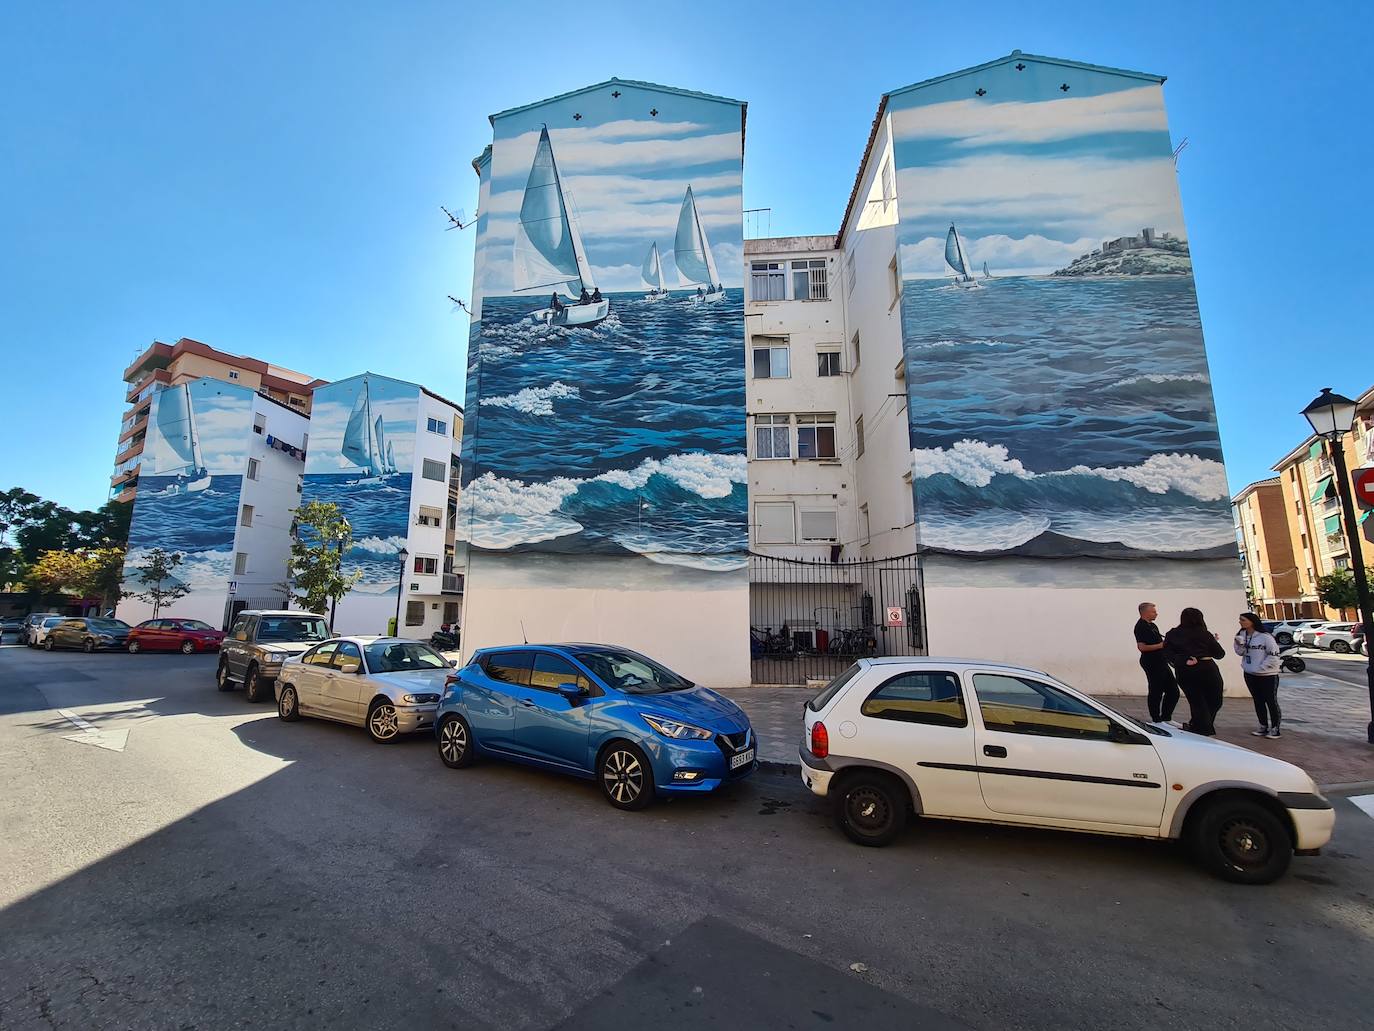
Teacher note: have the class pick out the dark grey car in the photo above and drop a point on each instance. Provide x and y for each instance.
(87, 633)
(259, 642)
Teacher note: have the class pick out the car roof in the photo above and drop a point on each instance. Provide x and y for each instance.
(279, 612)
(939, 661)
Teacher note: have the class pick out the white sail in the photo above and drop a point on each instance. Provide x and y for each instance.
(652, 269)
(391, 458)
(197, 462)
(359, 447)
(691, 249)
(379, 442)
(954, 254)
(548, 249)
(174, 423)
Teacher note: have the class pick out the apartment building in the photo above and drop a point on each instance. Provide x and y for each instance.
(1266, 550)
(162, 365)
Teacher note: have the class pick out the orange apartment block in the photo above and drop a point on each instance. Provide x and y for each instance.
(1266, 551)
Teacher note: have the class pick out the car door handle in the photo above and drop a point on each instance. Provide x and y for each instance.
(996, 751)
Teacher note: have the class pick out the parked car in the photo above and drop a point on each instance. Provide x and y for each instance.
(29, 631)
(598, 712)
(1286, 632)
(259, 642)
(89, 633)
(387, 685)
(1337, 637)
(38, 632)
(967, 740)
(180, 635)
(11, 625)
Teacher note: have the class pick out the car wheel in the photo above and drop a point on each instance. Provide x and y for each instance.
(47, 644)
(870, 809)
(135, 647)
(1340, 647)
(1284, 638)
(382, 725)
(1242, 841)
(288, 707)
(88, 645)
(187, 647)
(222, 680)
(252, 685)
(625, 776)
(455, 742)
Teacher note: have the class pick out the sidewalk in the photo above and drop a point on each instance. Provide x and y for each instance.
(1323, 724)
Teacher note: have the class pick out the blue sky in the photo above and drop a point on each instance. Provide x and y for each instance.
(265, 177)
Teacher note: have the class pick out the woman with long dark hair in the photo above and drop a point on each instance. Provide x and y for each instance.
(1259, 662)
(1194, 650)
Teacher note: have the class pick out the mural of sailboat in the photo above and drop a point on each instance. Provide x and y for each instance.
(986, 274)
(652, 271)
(958, 261)
(364, 443)
(548, 248)
(176, 419)
(692, 252)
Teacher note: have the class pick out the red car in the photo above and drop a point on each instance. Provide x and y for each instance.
(182, 635)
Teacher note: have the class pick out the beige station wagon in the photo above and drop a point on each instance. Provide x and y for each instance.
(259, 642)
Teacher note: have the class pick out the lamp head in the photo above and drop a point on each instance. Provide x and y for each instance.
(1330, 415)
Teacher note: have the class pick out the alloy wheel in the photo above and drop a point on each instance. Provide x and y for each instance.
(286, 704)
(623, 776)
(134, 647)
(88, 645)
(382, 723)
(187, 647)
(453, 741)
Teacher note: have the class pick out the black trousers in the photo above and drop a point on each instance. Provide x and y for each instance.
(1264, 689)
(1201, 685)
(1161, 690)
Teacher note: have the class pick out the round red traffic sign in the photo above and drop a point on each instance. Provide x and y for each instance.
(1363, 482)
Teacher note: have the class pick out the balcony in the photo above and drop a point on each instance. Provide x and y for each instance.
(141, 390)
(133, 428)
(453, 583)
(157, 356)
(132, 451)
(124, 475)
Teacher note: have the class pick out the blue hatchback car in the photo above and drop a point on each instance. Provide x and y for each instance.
(596, 711)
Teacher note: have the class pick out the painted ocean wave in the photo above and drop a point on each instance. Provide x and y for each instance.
(534, 400)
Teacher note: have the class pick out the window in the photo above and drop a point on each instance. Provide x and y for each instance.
(767, 281)
(908, 508)
(233, 374)
(894, 285)
(298, 402)
(772, 436)
(240, 563)
(246, 515)
(415, 612)
(816, 436)
(240, 626)
(854, 343)
(772, 362)
(508, 667)
(828, 363)
(819, 525)
(859, 437)
(322, 655)
(1019, 705)
(252, 468)
(775, 522)
(347, 656)
(849, 272)
(259, 424)
(430, 517)
(888, 185)
(451, 609)
(809, 280)
(865, 527)
(926, 697)
(832, 689)
(438, 426)
(432, 470)
(551, 672)
(425, 565)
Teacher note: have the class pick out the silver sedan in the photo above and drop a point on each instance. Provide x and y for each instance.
(387, 685)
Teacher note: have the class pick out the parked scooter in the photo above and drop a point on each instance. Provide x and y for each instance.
(445, 639)
(1291, 663)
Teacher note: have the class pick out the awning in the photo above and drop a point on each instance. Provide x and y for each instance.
(1364, 515)
(1332, 524)
(1321, 490)
(1315, 451)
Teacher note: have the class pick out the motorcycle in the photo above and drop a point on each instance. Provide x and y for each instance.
(444, 639)
(1291, 663)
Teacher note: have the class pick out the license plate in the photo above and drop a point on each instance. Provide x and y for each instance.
(743, 759)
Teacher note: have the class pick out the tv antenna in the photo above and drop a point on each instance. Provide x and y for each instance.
(458, 221)
(1179, 150)
(458, 306)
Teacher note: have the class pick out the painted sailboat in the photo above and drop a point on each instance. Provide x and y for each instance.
(391, 458)
(652, 271)
(692, 252)
(986, 274)
(363, 442)
(176, 420)
(956, 259)
(548, 248)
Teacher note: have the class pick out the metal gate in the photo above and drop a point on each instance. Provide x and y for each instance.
(808, 620)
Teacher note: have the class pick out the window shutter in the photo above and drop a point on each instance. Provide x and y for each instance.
(819, 526)
(775, 524)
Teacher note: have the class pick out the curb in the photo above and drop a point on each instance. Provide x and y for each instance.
(1358, 787)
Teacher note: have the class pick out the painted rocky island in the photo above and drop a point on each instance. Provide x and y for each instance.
(1146, 254)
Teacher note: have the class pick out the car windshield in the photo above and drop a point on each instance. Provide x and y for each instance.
(632, 673)
(292, 628)
(54, 620)
(402, 657)
(195, 624)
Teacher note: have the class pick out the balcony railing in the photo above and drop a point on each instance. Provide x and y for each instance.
(453, 583)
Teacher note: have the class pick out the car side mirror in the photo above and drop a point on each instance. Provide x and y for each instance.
(1120, 735)
(350, 666)
(453, 663)
(572, 692)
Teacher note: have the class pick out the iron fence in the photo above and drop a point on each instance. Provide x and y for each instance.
(810, 619)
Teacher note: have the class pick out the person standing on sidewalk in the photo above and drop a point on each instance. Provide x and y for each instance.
(1160, 686)
(1194, 650)
(1259, 661)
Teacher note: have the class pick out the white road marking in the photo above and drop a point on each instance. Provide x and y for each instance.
(113, 740)
(1364, 802)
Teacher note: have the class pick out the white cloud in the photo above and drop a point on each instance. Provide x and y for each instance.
(577, 151)
(973, 123)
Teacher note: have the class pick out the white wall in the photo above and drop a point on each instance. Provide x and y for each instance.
(430, 541)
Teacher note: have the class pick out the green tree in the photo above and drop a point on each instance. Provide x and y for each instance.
(321, 536)
(60, 572)
(106, 575)
(157, 574)
(1337, 589)
(16, 508)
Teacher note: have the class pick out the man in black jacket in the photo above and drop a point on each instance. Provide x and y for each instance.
(1161, 687)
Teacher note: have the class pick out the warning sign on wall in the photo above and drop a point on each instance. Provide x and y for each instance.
(895, 616)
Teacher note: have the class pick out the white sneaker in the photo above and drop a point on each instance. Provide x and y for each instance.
(1262, 732)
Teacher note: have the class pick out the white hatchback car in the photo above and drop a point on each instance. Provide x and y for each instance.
(967, 740)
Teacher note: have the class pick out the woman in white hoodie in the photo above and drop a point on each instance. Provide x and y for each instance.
(1259, 661)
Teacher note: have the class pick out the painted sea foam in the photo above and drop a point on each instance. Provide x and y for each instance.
(635, 414)
(378, 514)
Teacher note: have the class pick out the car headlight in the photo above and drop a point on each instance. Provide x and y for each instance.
(419, 699)
(106, 638)
(675, 729)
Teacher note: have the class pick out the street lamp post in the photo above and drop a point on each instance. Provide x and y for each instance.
(1332, 416)
(400, 589)
(339, 536)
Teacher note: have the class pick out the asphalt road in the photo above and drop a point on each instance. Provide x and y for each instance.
(1350, 669)
(188, 861)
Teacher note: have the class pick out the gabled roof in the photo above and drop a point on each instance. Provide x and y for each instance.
(1250, 488)
(1018, 55)
(613, 81)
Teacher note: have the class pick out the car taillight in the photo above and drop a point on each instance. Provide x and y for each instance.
(1319, 633)
(820, 740)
